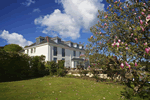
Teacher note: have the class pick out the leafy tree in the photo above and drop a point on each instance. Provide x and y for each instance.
(124, 30)
(12, 47)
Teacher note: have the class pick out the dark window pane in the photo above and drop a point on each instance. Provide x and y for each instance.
(71, 44)
(74, 53)
(55, 59)
(63, 52)
(55, 51)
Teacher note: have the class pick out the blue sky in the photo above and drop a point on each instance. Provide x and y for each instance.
(21, 21)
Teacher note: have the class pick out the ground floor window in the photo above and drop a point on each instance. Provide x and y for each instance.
(55, 59)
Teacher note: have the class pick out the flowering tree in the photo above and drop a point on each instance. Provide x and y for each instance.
(124, 30)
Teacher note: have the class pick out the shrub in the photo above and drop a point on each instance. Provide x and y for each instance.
(52, 66)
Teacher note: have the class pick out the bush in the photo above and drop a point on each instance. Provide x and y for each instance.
(61, 72)
(85, 72)
(15, 66)
(52, 66)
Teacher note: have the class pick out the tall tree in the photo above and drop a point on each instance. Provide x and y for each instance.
(12, 47)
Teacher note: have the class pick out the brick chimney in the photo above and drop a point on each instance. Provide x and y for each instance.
(47, 38)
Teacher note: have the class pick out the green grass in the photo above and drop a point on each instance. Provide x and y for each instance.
(63, 88)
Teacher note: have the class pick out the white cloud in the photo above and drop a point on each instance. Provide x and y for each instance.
(28, 2)
(36, 10)
(77, 14)
(14, 38)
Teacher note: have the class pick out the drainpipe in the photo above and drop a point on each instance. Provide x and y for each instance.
(48, 55)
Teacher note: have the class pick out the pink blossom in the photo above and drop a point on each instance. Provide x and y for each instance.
(116, 37)
(91, 36)
(126, 64)
(147, 50)
(117, 44)
(142, 13)
(134, 13)
(135, 39)
(113, 44)
(132, 9)
(100, 42)
(89, 66)
(98, 21)
(126, 48)
(129, 67)
(100, 32)
(141, 22)
(114, 40)
(96, 32)
(145, 43)
(122, 65)
(131, 34)
(120, 8)
(94, 64)
(106, 16)
(144, 9)
(127, 5)
(142, 28)
(135, 64)
(130, 28)
(122, 42)
(115, 1)
(126, 44)
(144, 4)
(139, 17)
(119, 40)
(146, 23)
(105, 24)
(148, 18)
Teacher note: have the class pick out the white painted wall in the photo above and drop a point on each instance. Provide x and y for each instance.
(47, 50)
(40, 50)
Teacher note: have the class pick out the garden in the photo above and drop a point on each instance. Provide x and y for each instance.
(119, 47)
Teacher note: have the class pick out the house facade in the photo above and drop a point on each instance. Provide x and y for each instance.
(55, 49)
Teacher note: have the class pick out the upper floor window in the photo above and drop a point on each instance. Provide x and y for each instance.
(31, 50)
(55, 51)
(63, 52)
(59, 41)
(71, 44)
(79, 53)
(77, 45)
(74, 53)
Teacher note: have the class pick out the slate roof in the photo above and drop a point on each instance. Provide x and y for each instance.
(51, 41)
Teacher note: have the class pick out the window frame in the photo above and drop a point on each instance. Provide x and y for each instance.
(79, 53)
(63, 52)
(74, 53)
(54, 51)
(54, 60)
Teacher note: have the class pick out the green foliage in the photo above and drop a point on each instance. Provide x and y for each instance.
(52, 66)
(56, 69)
(15, 66)
(12, 48)
(123, 30)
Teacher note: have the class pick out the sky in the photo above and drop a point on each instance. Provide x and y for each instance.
(21, 21)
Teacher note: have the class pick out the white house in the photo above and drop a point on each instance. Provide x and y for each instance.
(56, 49)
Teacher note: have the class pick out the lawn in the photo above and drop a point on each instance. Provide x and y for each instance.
(58, 88)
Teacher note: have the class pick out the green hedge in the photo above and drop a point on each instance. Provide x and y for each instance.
(15, 66)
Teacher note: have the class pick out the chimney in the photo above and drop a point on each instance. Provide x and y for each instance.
(47, 39)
